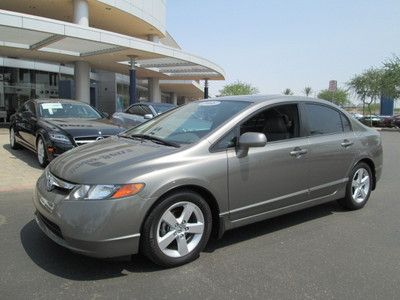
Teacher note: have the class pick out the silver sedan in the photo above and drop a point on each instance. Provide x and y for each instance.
(165, 186)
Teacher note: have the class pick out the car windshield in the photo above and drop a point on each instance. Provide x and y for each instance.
(160, 108)
(189, 123)
(59, 110)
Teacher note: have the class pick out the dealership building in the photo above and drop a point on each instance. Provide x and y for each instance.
(109, 53)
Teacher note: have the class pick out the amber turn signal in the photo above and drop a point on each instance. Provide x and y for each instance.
(128, 190)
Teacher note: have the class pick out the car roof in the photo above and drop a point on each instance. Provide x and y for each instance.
(266, 98)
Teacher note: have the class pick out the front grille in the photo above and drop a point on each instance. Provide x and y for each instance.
(50, 225)
(82, 140)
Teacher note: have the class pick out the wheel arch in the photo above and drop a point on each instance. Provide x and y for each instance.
(371, 165)
(217, 228)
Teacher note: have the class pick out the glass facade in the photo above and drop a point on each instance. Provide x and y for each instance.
(17, 85)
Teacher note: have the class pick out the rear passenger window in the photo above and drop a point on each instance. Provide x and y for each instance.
(323, 120)
(346, 123)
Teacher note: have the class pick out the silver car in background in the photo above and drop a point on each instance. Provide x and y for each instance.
(165, 186)
(140, 112)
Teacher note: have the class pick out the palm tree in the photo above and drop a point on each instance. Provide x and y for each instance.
(287, 92)
(308, 90)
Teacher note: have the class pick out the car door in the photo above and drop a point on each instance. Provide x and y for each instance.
(20, 123)
(273, 176)
(30, 124)
(331, 152)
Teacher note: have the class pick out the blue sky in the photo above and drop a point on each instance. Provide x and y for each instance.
(277, 44)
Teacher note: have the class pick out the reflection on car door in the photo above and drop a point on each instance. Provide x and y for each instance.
(331, 152)
(274, 176)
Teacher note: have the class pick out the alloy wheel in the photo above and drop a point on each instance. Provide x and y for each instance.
(12, 137)
(40, 151)
(360, 185)
(180, 229)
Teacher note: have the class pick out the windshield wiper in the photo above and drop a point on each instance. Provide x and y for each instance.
(155, 139)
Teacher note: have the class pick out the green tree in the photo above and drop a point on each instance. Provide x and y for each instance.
(307, 91)
(238, 88)
(339, 97)
(391, 78)
(287, 92)
(368, 86)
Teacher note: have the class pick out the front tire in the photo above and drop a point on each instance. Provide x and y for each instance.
(41, 152)
(13, 143)
(177, 229)
(358, 188)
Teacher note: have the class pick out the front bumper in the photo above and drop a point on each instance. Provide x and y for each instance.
(97, 228)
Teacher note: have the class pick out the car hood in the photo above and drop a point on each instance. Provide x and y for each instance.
(85, 127)
(114, 160)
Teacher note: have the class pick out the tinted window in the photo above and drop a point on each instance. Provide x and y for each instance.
(31, 107)
(323, 120)
(277, 123)
(228, 141)
(136, 110)
(345, 123)
(146, 109)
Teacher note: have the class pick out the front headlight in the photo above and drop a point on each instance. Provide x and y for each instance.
(59, 137)
(98, 192)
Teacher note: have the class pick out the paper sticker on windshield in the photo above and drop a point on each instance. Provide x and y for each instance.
(210, 103)
(52, 106)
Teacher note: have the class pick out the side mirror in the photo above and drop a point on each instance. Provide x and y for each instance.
(105, 115)
(250, 139)
(148, 116)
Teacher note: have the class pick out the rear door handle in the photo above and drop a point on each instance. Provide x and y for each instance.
(297, 152)
(346, 143)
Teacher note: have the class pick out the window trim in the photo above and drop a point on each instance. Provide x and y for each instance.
(307, 124)
(302, 132)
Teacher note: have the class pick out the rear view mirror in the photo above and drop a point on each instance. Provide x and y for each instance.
(148, 116)
(250, 139)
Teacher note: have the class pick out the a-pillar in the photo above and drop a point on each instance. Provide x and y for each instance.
(154, 89)
(205, 88)
(82, 68)
(82, 81)
(132, 81)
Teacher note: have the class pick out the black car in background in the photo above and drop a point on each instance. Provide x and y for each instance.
(140, 112)
(50, 127)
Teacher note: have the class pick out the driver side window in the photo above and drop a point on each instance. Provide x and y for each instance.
(277, 123)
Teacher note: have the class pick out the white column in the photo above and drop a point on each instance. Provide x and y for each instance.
(82, 81)
(174, 98)
(153, 38)
(81, 12)
(82, 68)
(154, 89)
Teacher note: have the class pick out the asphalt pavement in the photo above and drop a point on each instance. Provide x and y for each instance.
(318, 253)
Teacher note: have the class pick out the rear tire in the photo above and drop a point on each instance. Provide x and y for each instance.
(41, 153)
(177, 229)
(13, 143)
(358, 188)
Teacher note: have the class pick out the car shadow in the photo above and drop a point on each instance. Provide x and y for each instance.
(64, 263)
(24, 155)
(61, 262)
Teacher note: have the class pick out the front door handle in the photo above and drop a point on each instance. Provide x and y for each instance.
(297, 152)
(346, 143)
